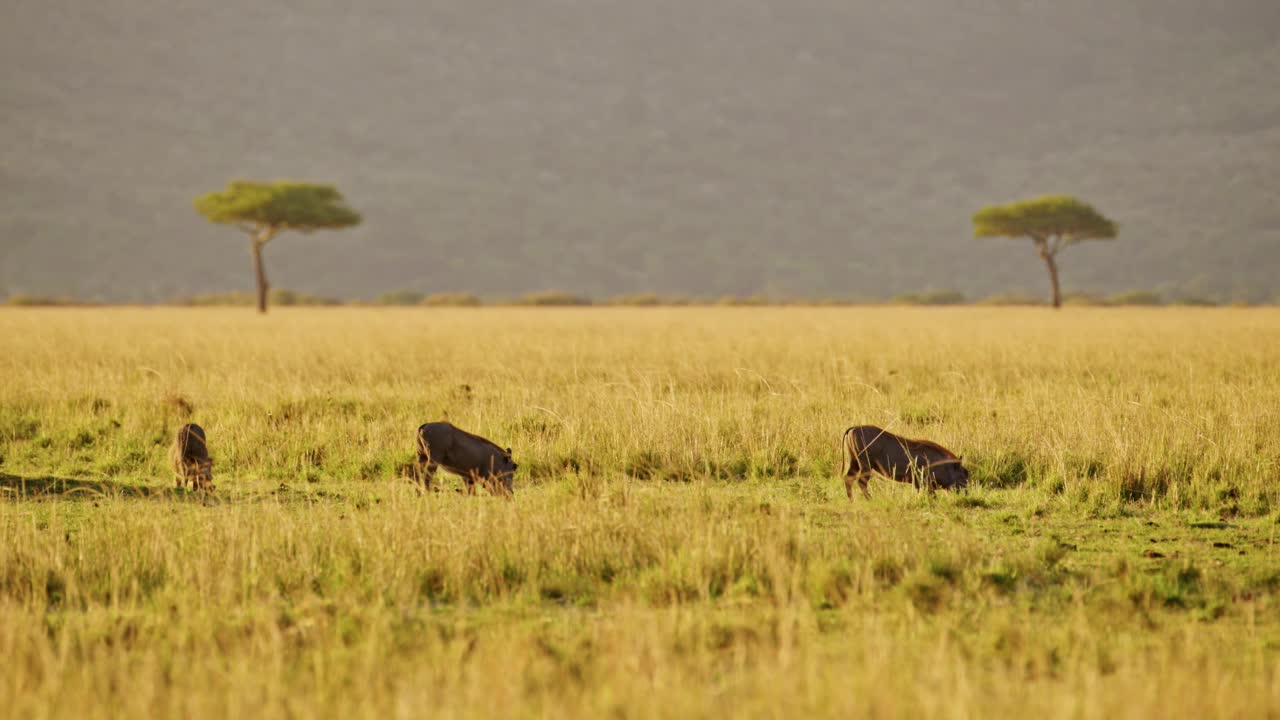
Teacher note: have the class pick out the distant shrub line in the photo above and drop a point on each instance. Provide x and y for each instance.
(277, 297)
(556, 298)
(44, 301)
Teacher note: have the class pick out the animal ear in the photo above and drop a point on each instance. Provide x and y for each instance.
(508, 452)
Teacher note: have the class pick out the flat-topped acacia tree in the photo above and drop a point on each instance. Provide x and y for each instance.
(265, 209)
(1053, 222)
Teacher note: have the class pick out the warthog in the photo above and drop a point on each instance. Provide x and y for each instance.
(869, 449)
(441, 445)
(189, 456)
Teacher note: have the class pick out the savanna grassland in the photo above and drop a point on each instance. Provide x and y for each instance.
(679, 544)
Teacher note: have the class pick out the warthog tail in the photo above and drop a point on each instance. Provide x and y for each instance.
(847, 461)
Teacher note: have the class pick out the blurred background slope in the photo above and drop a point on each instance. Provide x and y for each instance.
(798, 147)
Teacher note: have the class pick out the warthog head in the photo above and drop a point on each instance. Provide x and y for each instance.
(951, 475)
(505, 470)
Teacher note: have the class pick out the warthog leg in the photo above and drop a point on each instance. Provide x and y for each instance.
(495, 486)
(424, 472)
(190, 476)
(923, 478)
(498, 488)
(861, 478)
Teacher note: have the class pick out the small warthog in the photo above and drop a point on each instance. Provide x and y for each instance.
(190, 459)
(869, 449)
(441, 445)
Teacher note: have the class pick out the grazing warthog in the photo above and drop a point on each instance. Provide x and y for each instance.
(868, 449)
(189, 456)
(441, 445)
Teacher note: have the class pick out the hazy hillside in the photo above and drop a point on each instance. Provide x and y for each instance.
(806, 147)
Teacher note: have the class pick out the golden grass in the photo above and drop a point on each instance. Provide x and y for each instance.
(679, 545)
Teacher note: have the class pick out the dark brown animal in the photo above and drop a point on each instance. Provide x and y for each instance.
(475, 459)
(869, 449)
(189, 456)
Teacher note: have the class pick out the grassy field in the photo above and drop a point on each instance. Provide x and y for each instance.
(679, 544)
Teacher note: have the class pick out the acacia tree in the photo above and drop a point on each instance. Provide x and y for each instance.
(1053, 222)
(265, 209)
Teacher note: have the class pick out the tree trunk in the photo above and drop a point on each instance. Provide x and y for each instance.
(1051, 262)
(1049, 254)
(256, 243)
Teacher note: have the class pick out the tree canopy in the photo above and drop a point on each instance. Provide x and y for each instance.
(1050, 216)
(265, 209)
(280, 205)
(1051, 221)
